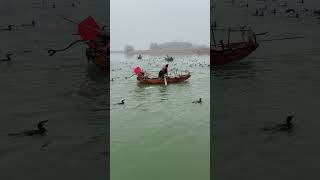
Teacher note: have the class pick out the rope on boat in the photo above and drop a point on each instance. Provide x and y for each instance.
(77, 23)
(278, 39)
(51, 52)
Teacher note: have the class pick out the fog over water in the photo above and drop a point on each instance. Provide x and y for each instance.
(139, 23)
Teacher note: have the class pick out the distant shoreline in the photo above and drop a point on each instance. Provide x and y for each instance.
(169, 51)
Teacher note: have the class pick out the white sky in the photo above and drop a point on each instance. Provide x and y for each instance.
(140, 22)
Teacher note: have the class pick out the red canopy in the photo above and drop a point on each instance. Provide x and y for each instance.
(88, 29)
(137, 70)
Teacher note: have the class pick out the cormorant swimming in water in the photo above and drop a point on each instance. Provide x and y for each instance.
(122, 102)
(317, 12)
(8, 29)
(196, 102)
(8, 57)
(288, 125)
(282, 127)
(40, 131)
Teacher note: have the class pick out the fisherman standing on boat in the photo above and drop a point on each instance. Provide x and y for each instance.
(163, 71)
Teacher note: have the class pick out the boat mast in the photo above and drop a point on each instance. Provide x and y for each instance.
(211, 29)
(213, 38)
(229, 30)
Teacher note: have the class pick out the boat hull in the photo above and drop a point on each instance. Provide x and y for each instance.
(100, 59)
(173, 80)
(238, 53)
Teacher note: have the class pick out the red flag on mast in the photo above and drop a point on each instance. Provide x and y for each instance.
(88, 29)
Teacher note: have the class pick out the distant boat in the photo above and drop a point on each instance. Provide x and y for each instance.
(139, 57)
(168, 58)
(225, 53)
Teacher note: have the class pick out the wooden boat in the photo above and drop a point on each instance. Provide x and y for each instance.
(236, 53)
(97, 40)
(225, 53)
(170, 80)
(100, 58)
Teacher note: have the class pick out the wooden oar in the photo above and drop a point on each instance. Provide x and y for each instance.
(130, 76)
(165, 81)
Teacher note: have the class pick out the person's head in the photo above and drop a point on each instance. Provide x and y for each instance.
(167, 65)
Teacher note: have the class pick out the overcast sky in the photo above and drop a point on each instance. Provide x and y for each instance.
(140, 22)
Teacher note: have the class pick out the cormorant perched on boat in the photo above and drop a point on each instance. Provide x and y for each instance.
(121, 103)
(8, 57)
(197, 102)
(222, 44)
(282, 127)
(40, 131)
(243, 27)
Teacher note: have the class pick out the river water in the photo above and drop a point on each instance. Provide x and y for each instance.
(62, 89)
(159, 133)
(280, 78)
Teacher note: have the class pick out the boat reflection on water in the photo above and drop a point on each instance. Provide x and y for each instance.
(239, 70)
(96, 75)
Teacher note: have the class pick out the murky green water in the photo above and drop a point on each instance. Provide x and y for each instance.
(278, 79)
(62, 89)
(159, 133)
